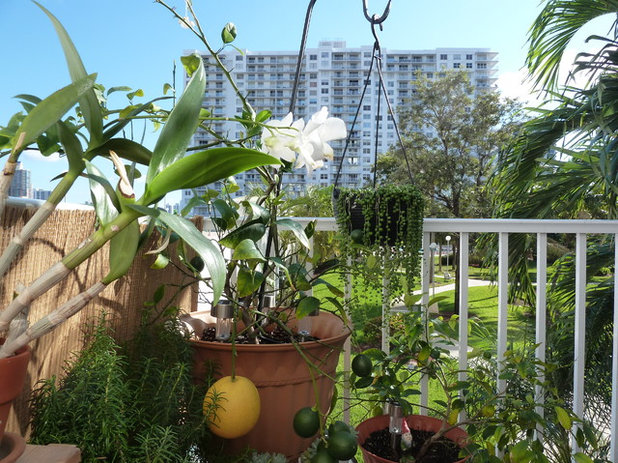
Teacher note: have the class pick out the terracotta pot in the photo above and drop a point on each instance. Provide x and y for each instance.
(12, 447)
(282, 378)
(417, 422)
(12, 376)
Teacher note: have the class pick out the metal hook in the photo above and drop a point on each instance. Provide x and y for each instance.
(375, 19)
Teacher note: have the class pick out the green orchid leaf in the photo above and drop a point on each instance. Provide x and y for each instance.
(306, 306)
(104, 198)
(205, 248)
(248, 281)
(50, 110)
(88, 103)
(297, 230)
(253, 231)
(35, 100)
(72, 147)
(126, 149)
(203, 168)
(247, 250)
(180, 126)
(122, 249)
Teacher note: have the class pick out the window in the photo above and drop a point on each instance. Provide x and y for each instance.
(238, 57)
(313, 57)
(324, 54)
(325, 82)
(443, 57)
(456, 56)
(366, 107)
(481, 65)
(455, 65)
(324, 91)
(469, 57)
(468, 65)
(323, 176)
(313, 75)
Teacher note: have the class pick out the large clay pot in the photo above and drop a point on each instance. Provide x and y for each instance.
(282, 378)
(12, 446)
(12, 376)
(418, 422)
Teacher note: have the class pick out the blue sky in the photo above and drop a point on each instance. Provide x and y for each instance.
(136, 42)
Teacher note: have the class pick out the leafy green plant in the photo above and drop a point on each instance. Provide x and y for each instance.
(505, 420)
(381, 235)
(117, 209)
(135, 403)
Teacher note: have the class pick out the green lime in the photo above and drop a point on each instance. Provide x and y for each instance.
(337, 426)
(322, 456)
(341, 446)
(197, 263)
(357, 236)
(306, 422)
(362, 366)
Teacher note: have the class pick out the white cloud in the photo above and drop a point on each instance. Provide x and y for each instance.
(35, 155)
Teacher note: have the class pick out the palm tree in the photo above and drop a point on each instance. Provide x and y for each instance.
(564, 162)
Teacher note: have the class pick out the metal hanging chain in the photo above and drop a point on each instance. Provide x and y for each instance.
(376, 21)
(301, 53)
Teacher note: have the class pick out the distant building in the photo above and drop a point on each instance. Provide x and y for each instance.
(332, 75)
(172, 208)
(21, 186)
(38, 193)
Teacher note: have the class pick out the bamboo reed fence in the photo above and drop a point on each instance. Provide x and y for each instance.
(121, 301)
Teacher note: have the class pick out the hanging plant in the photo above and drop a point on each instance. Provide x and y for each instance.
(381, 231)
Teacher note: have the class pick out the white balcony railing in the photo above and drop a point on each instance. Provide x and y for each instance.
(503, 228)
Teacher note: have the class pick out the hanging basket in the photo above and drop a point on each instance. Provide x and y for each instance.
(383, 216)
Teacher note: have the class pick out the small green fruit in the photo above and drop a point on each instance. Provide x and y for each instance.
(306, 422)
(322, 456)
(362, 366)
(337, 426)
(197, 263)
(342, 446)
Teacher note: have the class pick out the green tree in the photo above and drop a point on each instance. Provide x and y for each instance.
(564, 164)
(450, 135)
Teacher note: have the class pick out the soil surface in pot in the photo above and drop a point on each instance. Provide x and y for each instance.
(276, 336)
(442, 451)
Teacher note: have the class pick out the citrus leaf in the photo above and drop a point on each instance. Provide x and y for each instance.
(306, 306)
(297, 229)
(563, 418)
(247, 250)
(581, 458)
(253, 231)
(248, 281)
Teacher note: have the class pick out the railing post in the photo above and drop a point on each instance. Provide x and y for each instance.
(503, 283)
(614, 421)
(425, 279)
(579, 361)
(463, 310)
(347, 346)
(541, 321)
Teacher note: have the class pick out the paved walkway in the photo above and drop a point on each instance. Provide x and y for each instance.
(397, 305)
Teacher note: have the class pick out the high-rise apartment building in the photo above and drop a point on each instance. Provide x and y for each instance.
(21, 186)
(332, 75)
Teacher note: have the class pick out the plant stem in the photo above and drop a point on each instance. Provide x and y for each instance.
(61, 270)
(52, 320)
(6, 179)
(37, 220)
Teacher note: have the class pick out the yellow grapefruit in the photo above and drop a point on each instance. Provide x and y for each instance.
(232, 407)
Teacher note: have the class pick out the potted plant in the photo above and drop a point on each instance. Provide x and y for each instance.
(95, 135)
(471, 419)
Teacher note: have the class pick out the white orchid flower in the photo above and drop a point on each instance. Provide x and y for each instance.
(283, 138)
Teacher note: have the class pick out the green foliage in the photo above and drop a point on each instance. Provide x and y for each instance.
(391, 220)
(127, 404)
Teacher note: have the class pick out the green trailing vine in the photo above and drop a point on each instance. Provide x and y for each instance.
(381, 233)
